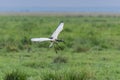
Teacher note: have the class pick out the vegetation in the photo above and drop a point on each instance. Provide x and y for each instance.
(91, 50)
(15, 75)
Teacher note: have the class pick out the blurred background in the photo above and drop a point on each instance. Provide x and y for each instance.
(91, 34)
(59, 6)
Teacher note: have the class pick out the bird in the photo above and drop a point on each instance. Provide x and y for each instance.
(53, 38)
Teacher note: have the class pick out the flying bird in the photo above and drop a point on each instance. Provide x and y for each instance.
(53, 39)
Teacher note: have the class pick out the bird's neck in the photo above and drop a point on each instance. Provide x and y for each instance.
(59, 40)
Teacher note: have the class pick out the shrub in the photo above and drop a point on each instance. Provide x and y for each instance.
(11, 48)
(68, 75)
(15, 75)
(60, 59)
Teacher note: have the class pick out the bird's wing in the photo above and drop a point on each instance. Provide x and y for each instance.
(40, 39)
(51, 44)
(58, 30)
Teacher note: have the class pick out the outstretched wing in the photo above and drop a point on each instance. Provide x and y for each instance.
(40, 39)
(57, 31)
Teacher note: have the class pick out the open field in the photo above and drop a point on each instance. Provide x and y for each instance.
(59, 14)
(91, 52)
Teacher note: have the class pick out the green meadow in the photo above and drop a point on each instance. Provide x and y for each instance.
(91, 50)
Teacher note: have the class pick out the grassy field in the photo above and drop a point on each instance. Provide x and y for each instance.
(91, 51)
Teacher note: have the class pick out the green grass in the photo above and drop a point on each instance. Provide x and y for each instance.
(91, 52)
(15, 75)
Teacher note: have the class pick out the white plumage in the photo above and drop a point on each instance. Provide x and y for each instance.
(53, 37)
(40, 39)
(57, 31)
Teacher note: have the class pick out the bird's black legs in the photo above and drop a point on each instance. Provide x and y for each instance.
(58, 46)
(55, 48)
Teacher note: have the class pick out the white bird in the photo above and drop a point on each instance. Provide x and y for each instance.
(54, 37)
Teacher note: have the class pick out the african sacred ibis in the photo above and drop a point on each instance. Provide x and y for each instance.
(54, 37)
